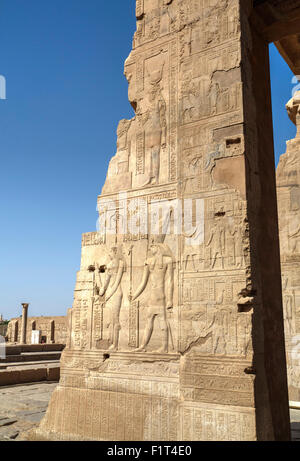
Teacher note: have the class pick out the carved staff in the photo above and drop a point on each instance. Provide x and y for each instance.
(99, 285)
(170, 333)
(92, 269)
(133, 310)
(131, 259)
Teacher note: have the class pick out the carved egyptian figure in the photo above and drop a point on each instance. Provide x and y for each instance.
(190, 98)
(216, 242)
(288, 313)
(290, 162)
(158, 272)
(285, 282)
(155, 132)
(122, 131)
(214, 92)
(155, 124)
(113, 293)
(236, 233)
(243, 334)
(220, 331)
(294, 241)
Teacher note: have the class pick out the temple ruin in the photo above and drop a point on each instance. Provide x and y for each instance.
(177, 326)
(288, 194)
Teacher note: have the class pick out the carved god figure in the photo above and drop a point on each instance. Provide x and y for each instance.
(238, 253)
(112, 290)
(155, 124)
(158, 273)
(294, 241)
(288, 313)
(155, 132)
(216, 242)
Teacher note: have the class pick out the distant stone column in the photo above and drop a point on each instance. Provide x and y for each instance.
(52, 332)
(24, 323)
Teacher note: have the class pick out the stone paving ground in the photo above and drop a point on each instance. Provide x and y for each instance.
(23, 406)
(295, 424)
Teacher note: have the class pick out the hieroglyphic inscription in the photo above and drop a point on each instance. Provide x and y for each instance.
(218, 424)
(93, 238)
(140, 76)
(134, 324)
(186, 141)
(98, 321)
(139, 8)
(140, 153)
(173, 110)
(80, 319)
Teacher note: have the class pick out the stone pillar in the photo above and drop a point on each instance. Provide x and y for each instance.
(15, 332)
(24, 323)
(186, 326)
(288, 193)
(52, 331)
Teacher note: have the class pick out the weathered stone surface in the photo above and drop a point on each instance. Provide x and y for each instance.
(3, 329)
(30, 363)
(288, 192)
(176, 331)
(295, 424)
(22, 407)
(52, 329)
(30, 374)
(24, 323)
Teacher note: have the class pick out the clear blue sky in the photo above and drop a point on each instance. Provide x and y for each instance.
(63, 62)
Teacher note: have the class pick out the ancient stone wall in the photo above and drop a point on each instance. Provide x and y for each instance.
(176, 332)
(3, 329)
(53, 329)
(288, 192)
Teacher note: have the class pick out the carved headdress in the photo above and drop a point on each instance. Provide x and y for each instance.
(158, 240)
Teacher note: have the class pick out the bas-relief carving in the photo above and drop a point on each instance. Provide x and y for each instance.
(152, 137)
(209, 94)
(160, 299)
(225, 234)
(288, 187)
(216, 327)
(112, 290)
(108, 287)
(154, 124)
(158, 272)
(147, 135)
(217, 424)
(210, 25)
(222, 249)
